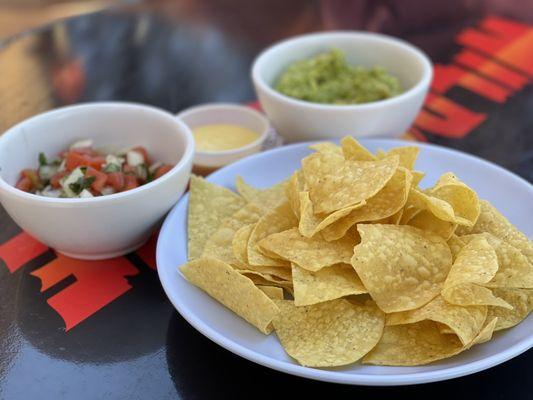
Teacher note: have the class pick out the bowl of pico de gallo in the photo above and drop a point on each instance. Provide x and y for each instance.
(93, 181)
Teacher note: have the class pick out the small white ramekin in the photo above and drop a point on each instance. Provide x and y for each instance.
(225, 113)
(106, 226)
(298, 120)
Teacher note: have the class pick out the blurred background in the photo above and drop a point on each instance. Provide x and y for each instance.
(17, 16)
(174, 54)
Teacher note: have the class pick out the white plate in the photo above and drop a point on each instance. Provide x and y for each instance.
(512, 195)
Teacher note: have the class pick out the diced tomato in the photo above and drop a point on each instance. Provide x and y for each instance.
(100, 179)
(75, 160)
(128, 169)
(162, 170)
(116, 180)
(88, 151)
(56, 179)
(130, 182)
(33, 176)
(97, 162)
(24, 184)
(144, 152)
(30, 173)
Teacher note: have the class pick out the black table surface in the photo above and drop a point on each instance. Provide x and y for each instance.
(128, 341)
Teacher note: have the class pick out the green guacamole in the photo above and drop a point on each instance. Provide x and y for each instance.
(328, 78)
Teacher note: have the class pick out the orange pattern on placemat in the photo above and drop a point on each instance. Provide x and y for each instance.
(508, 53)
(493, 34)
(97, 284)
(147, 251)
(447, 118)
(519, 54)
(446, 76)
(491, 69)
(20, 250)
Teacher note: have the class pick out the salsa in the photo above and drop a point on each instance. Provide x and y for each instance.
(328, 78)
(83, 171)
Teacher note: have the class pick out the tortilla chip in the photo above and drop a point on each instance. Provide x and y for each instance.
(267, 199)
(328, 334)
(409, 212)
(472, 294)
(438, 207)
(465, 322)
(427, 221)
(413, 344)
(407, 154)
(239, 243)
(421, 343)
(278, 220)
(402, 267)
(326, 147)
(336, 183)
(272, 292)
(309, 253)
(486, 333)
(514, 269)
(353, 150)
(261, 279)
(220, 244)
(444, 329)
(475, 265)
(294, 186)
(279, 273)
(327, 284)
(232, 289)
(209, 205)
(456, 245)
(463, 199)
(417, 177)
(310, 223)
(476, 262)
(396, 217)
(383, 204)
(522, 302)
(490, 220)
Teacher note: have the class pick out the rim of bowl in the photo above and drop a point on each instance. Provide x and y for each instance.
(422, 82)
(187, 155)
(205, 108)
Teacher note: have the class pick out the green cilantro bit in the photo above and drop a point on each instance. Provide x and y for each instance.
(112, 168)
(42, 160)
(84, 182)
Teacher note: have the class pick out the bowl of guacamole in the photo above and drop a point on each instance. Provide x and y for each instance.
(331, 84)
(329, 79)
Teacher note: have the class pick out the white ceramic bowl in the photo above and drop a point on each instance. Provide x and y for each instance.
(99, 227)
(298, 120)
(225, 113)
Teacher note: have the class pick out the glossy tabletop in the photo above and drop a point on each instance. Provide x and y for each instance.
(105, 330)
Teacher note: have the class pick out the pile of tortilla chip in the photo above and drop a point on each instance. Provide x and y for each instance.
(350, 259)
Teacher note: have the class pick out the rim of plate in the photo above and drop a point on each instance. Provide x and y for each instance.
(352, 378)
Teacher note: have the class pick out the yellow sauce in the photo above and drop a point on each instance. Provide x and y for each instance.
(220, 137)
